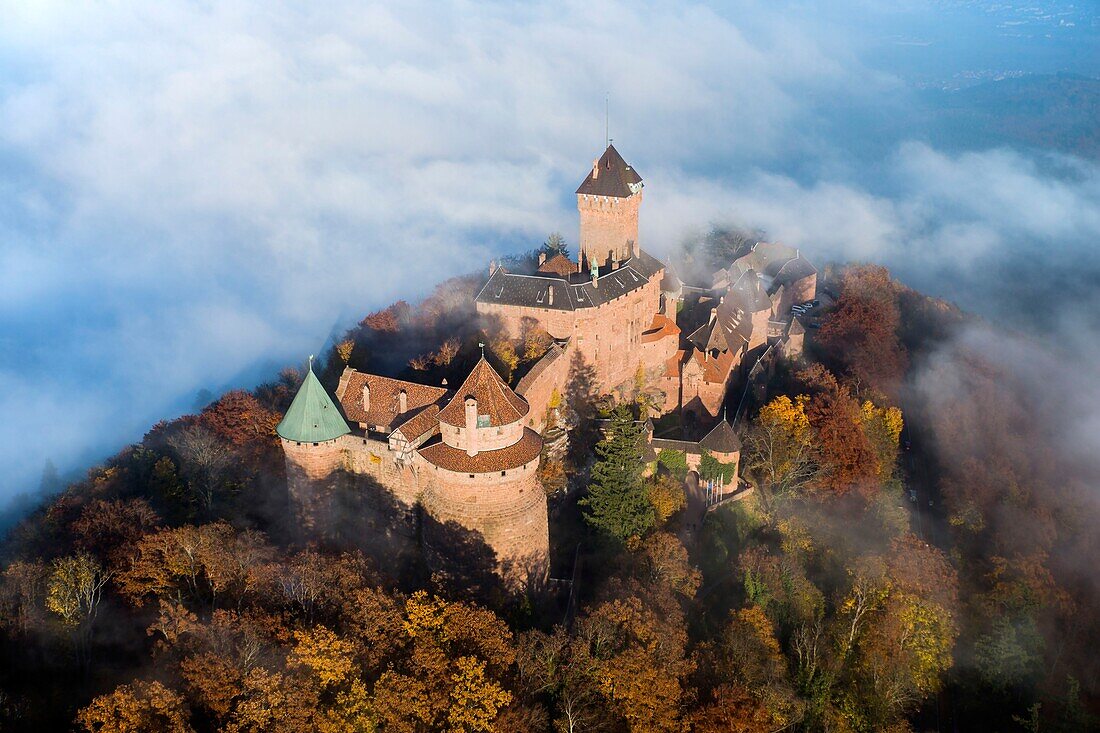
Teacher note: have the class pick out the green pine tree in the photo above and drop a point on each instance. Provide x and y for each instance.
(617, 503)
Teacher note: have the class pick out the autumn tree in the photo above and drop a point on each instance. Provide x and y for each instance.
(108, 528)
(344, 350)
(389, 319)
(137, 708)
(617, 504)
(861, 333)
(666, 494)
(75, 588)
(779, 447)
(206, 460)
(505, 352)
(845, 458)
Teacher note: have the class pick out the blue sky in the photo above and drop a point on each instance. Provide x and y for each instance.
(193, 195)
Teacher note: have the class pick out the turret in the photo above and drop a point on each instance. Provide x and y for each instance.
(310, 434)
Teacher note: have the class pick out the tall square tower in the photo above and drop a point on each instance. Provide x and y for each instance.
(608, 201)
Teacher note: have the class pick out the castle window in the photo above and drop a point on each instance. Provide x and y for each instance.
(317, 444)
(471, 475)
(503, 472)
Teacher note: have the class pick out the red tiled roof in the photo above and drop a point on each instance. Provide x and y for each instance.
(672, 364)
(384, 401)
(661, 327)
(425, 421)
(715, 369)
(494, 398)
(559, 264)
(455, 459)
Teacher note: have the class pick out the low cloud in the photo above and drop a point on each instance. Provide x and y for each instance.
(188, 191)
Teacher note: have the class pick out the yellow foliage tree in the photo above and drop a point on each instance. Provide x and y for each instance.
(505, 352)
(324, 653)
(882, 426)
(136, 708)
(344, 349)
(75, 588)
(780, 445)
(667, 495)
(475, 699)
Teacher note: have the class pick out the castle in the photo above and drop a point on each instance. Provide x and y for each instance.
(467, 458)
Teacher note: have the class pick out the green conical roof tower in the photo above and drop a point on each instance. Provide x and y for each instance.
(312, 417)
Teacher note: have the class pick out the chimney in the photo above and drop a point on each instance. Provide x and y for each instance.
(596, 277)
(595, 169)
(492, 267)
(471, 426)
(614, 261)
(634, 249)
(402, 401)
(550, 295)
(366, 397)
(542, 259)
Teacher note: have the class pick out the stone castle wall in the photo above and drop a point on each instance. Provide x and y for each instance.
(506, 510)
(540, 391)
(607, 336)
(312, 476)
(609, 226)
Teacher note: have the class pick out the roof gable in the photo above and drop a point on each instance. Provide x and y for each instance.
(385, 404)
(495, 399)
(559, 264)
(312, 417)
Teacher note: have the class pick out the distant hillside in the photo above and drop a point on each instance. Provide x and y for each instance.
(1054, 111)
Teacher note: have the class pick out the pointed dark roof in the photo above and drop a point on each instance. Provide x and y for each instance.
(721, 439)
(494, 398)
(615, 177)
(312, 417)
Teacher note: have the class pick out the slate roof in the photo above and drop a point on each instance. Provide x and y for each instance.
(749, 287)
(312, 417)
(494, 399)
(532, 291)
(559, 264)
(729, 328)
(614, 177)
(721, 439)
(776, 262)
(455, 459)
(384, 398)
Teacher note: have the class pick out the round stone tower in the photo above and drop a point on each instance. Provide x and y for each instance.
(310, 433)
(483, 499)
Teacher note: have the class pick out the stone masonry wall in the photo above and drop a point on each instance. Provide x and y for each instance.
(507, 511)
(608, 225)
(312, 474)
(541, 391)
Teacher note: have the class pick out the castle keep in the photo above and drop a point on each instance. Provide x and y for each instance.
(463, 462)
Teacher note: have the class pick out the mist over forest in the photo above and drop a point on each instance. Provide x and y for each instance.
(195, 199)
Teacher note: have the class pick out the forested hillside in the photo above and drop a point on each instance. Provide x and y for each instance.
(914, 556)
